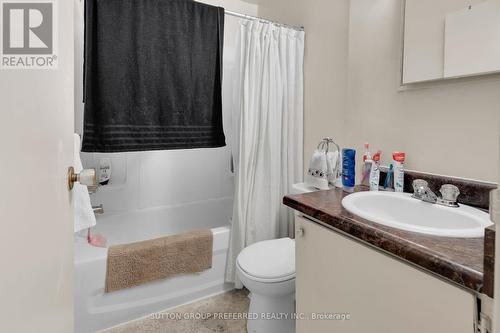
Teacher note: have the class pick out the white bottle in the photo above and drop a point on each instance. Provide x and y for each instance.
(104, 171)
(375, 172)
(399, 171)
(367, 165)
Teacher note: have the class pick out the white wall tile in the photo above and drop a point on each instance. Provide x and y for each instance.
(180, 176)
(163, 178)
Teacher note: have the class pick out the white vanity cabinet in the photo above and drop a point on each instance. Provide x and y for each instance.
(336, 274)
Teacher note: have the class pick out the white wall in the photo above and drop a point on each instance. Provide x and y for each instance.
(143, 180)
(352, 91)
(450, 128)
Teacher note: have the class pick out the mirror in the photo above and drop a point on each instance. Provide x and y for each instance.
(450, 38)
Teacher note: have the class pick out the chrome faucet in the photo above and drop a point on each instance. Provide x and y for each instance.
(448, 198)
(98, 210)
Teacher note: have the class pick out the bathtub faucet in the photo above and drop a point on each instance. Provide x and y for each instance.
(98, 210)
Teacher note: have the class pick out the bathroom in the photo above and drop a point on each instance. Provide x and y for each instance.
(289, 249)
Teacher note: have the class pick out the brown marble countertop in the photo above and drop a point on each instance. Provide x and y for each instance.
(457, 259)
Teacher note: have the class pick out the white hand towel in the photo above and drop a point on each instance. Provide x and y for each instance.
(83, 213)
(317, 175)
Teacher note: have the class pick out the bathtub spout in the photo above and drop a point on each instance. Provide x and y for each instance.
(98, 210)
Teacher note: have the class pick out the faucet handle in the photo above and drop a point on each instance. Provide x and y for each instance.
(449, 195)
(449, 192)
(419, 187)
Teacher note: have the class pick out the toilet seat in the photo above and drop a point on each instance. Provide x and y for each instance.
(265, 280)
(269, 261)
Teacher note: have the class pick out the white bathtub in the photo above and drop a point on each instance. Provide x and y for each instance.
(95, 311)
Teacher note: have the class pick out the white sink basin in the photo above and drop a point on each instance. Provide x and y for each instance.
(401, 211)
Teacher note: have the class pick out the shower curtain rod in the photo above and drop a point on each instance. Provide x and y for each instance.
(249, 17)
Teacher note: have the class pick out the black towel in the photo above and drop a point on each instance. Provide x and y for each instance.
(153, 73)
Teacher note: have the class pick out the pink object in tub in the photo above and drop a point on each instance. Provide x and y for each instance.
(96, 240)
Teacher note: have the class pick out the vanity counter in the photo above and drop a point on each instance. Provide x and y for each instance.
(459, 260)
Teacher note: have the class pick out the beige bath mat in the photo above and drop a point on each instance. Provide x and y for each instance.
(133, 264)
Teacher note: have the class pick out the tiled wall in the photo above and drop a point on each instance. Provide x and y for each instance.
(163, 178)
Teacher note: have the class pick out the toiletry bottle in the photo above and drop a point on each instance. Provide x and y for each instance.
(104, 171)
(338, 183)
(348, 169)
(399, 171)
(366, 167)
(375, 172)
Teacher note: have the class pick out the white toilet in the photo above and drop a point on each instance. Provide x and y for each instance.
(267, 269)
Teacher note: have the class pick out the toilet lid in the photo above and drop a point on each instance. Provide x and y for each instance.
(272, 259)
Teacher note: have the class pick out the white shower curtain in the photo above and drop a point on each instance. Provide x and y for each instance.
(266, 100)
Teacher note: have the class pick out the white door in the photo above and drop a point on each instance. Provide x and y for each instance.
(36, 147)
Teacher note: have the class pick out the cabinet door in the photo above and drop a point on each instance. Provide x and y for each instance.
(338, 275)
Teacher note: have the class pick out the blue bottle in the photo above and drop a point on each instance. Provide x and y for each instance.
(348, 169)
